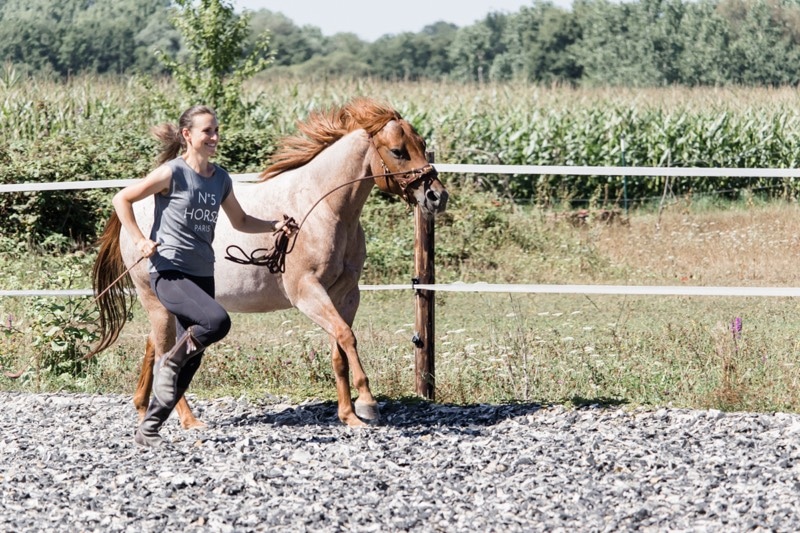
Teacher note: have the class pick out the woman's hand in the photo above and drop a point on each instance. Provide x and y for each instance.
(288, 226)
(147, 247)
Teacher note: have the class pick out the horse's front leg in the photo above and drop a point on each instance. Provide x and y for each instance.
(318, 306)
(344, 357)
(347, 296)
(366, 408)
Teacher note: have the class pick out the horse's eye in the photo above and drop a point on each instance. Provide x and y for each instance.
(397, 152)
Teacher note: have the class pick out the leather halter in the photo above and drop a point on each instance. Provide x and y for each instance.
(404, 179)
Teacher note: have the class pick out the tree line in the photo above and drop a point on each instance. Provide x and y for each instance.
(647, 43)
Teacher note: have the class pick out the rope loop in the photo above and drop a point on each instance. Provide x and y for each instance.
(273, 258)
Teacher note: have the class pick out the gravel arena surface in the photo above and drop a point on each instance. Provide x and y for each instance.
(68, 463)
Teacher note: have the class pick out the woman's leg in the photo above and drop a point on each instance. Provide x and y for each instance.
(157, 413)
(202, 321)
(191, 300)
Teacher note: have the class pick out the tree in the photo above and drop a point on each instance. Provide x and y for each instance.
(765, 35)
(291, 45)
(30, 32)
(616, 47)
(398, 56)
(538, 41)
(439, 37)
(74, 36)
(706, 35)
(470, 53)
(157, 35)
(216, 65)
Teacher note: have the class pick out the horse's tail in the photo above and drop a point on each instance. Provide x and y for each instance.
(110, 281)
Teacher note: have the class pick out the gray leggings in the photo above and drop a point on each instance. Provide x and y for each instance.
(191, 300)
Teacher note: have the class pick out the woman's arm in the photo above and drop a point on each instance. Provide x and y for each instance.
(155, 182)
(245, 223)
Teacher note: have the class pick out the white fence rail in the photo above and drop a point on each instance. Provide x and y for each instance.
(697, 172)
(609, 290)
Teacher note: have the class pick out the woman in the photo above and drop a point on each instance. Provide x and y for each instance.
(188, 191)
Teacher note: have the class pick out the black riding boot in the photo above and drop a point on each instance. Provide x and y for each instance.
(147, 432)
(168, 367)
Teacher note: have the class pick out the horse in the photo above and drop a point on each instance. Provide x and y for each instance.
(325, 173)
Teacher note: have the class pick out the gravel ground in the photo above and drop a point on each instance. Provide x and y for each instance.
(68, 463)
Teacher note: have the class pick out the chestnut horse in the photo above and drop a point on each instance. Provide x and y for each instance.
(323, 175)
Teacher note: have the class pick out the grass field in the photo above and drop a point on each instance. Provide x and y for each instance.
(629, 350)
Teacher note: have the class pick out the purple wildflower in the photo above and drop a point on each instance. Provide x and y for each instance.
(736, 327)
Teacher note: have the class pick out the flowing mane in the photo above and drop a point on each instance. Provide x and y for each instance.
(323, 128)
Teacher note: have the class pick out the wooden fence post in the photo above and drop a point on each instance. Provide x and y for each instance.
(424, 302)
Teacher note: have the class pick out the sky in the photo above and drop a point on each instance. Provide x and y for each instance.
(370, 19)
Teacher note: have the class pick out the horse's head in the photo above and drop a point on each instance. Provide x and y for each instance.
(401, 168)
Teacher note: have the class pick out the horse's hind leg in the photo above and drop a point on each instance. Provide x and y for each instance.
(187, 418)
(141, 398)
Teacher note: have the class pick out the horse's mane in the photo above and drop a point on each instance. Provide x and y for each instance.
(323, 128)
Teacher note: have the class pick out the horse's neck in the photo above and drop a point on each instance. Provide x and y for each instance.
(335, 176)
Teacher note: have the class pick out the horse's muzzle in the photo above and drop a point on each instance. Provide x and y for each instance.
(436, 197)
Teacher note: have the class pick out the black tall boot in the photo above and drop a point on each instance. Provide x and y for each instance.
(147, 432)
(168, 367)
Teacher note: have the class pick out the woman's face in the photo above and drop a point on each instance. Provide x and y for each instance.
(203, 136)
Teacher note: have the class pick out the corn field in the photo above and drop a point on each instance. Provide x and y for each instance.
(492, 124)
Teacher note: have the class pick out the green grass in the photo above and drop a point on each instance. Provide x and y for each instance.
(497, 348)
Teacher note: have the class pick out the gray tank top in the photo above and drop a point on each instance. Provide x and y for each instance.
(185, 219)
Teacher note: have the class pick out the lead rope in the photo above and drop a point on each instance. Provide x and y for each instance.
(273, 258)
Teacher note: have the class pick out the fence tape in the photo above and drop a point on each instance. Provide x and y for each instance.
(610, 290)
(613, 290)
(95, 184)
(474, 169)
(624, 171)
(74, 292)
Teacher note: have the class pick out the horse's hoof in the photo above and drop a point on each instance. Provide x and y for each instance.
(369, 412)
(354, 422)
(193, 424)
